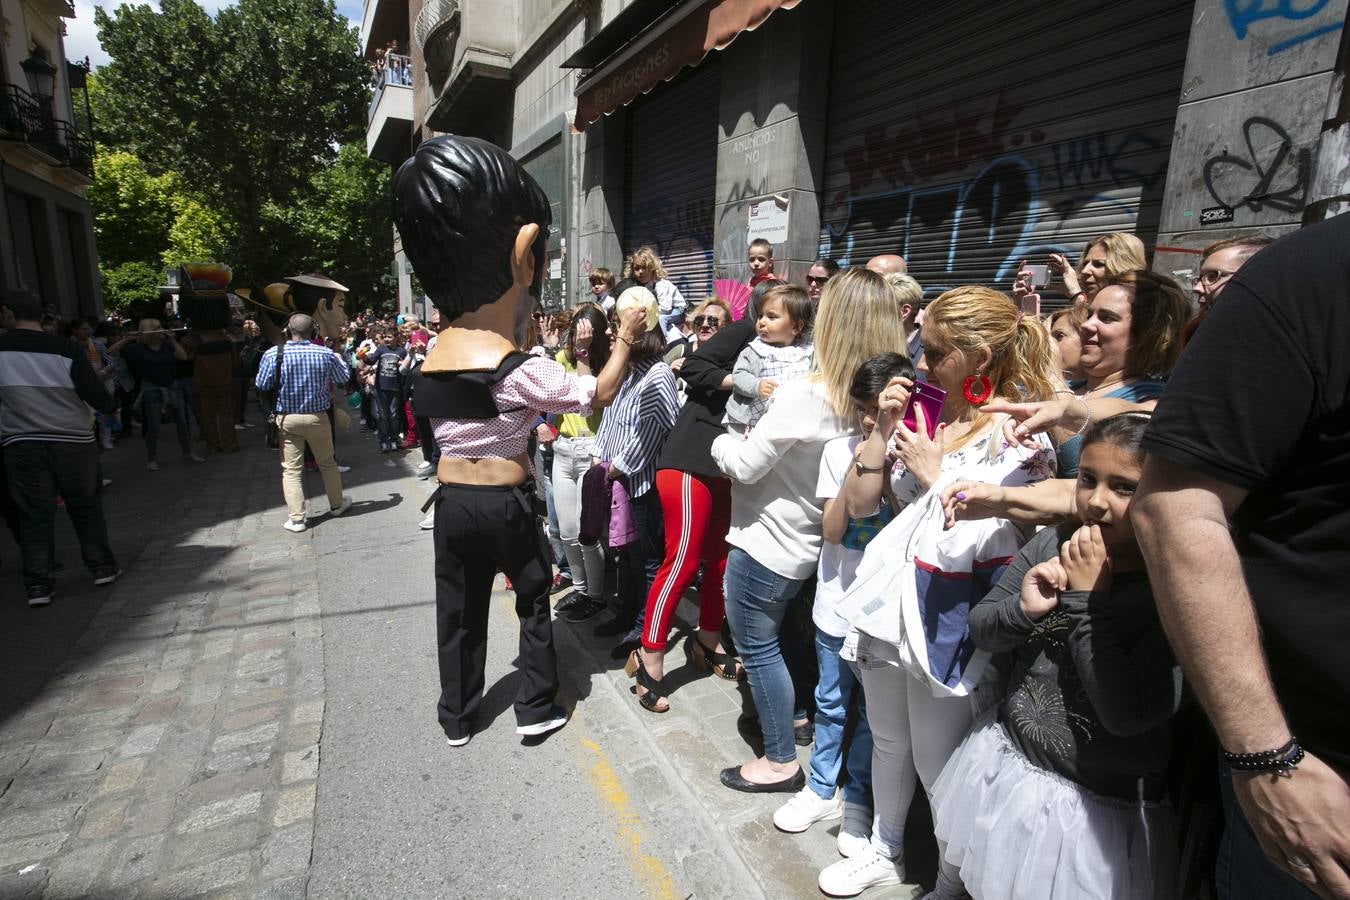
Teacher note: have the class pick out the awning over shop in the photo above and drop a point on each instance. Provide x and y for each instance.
(678, 40)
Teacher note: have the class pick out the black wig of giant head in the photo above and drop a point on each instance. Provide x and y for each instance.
(459, 203)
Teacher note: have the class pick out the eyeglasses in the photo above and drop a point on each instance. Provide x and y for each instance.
(538, 315)
(817, 279)
(708, 321)
(1211, 277)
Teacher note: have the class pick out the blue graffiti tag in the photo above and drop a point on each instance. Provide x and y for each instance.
(1242, 14)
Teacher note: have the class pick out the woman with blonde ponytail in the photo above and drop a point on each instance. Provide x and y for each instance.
(923, 678)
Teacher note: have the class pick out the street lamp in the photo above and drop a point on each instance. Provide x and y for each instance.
(41, 74)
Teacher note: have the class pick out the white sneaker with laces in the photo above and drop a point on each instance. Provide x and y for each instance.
(805, 809)
(342, 507)
(855, 832)
(850, 877)
(343, 469)
(428, 523)
(292, 525)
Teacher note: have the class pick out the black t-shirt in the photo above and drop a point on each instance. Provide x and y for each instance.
(386, 360)
(1261, 400)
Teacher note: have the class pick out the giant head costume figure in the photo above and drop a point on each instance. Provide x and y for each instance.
(474, 225)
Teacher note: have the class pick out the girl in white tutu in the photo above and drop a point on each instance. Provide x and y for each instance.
(1059, 793)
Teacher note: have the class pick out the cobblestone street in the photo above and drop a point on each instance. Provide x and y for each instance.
(248, 712)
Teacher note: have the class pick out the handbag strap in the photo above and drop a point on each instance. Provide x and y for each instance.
(276, 378)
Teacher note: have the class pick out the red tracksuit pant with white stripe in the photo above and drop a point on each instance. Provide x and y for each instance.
(697, 514)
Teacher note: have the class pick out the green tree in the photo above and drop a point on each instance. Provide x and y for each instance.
(129, 284)
(134, 211)
(249, 107)
(342, 224)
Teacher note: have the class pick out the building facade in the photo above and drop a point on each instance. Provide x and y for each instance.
(847, 128)
(46, 162)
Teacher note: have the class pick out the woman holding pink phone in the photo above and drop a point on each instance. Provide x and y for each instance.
(916, 583)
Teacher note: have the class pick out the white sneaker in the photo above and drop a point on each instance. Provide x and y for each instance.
(850, 877)
(192, 457)
(152, 466)
(559, 720)
(343, 469)
(855, 832)
(805, 809)
(424, 470)
(292, 525)
(457, 742)
(428, 523)
(342, 507)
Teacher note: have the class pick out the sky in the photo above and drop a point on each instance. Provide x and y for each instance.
(82, 37)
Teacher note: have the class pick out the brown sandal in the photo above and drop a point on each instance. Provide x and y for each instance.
(723, 665)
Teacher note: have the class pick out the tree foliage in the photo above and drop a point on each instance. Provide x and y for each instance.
(129, 284)
(248, 111)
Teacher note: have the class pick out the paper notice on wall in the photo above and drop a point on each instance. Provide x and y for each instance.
(769, 220)
(555, 268)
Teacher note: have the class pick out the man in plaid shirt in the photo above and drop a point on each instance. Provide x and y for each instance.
(301, 408)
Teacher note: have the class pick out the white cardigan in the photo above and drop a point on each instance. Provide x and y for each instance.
(775, 513)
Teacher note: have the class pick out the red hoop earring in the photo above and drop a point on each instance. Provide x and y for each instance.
(986, 388)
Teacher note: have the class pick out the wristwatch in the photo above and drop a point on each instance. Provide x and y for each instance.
(863, 470)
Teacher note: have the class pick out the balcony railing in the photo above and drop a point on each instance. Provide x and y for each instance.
(392, 69)
(437, 20)
(26, 118)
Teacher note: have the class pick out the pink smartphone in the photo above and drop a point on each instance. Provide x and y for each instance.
(931, 398)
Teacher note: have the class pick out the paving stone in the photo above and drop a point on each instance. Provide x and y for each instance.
(75, 871)
(308, 712)
(149, 817)
(121, 776)
(143, 740)
(287, 852)
(224, 786)
(202, 879)
(157, 710)
(300, 765)
(197, 848)
(30, 792)
(24, 884)
(251, 717)
(104, 819)
(259, 735)
(27, 850)
(62, 765)
(166, 681)
(304, 734)
(235, 760)
(294, 805)
(238, 702)
(213, 814)
(21, 822)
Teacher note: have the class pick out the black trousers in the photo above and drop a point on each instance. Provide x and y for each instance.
(480, 530)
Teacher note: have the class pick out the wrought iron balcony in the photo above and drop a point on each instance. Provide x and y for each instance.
(29, 119)
(434, 31)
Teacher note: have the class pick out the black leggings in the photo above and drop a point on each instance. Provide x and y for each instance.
(480, 530)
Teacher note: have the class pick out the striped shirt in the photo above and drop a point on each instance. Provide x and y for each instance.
(307, 370)
(637, 423)
(46, 388)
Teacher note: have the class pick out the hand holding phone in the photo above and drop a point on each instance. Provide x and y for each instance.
(1040, 275)
(931, 398)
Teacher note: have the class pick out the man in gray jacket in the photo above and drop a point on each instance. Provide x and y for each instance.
(47, 389)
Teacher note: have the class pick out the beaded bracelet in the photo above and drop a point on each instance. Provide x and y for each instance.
(1282, 760)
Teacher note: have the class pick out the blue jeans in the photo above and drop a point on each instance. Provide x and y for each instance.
(1242, 871)
(387, 414)
(757, 601)
(639, 560)
(40, 470)
(154, 399)
(834, 691)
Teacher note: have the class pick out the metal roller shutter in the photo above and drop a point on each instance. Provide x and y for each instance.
(965, 147)
(671, 173)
